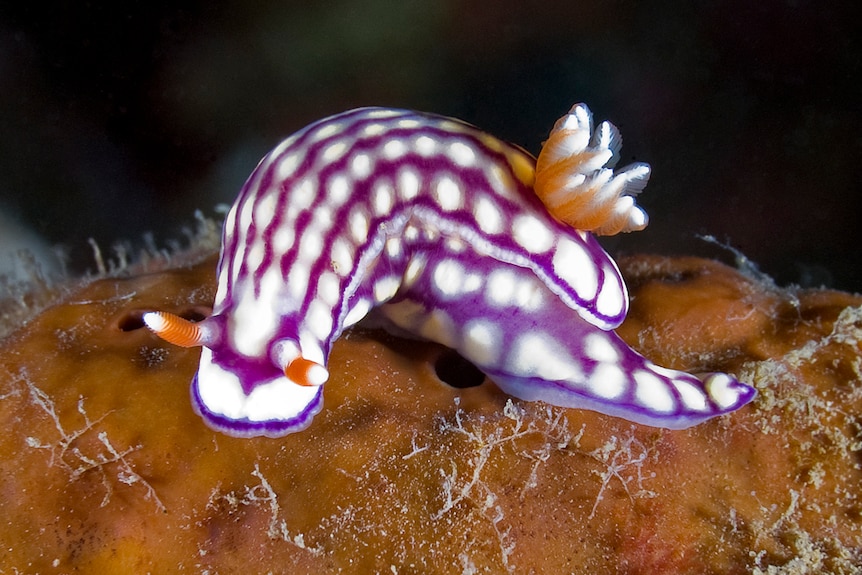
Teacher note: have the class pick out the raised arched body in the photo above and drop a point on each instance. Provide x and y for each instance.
(437, 226)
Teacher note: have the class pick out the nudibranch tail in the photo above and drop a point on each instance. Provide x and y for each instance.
(175, 329)
(652, 395)
(575, 180)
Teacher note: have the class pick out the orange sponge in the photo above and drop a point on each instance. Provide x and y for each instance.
(105, 468)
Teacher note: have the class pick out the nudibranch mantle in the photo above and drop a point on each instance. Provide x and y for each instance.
(434, 226)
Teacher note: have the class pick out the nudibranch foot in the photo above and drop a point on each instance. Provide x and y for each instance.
(451, 235)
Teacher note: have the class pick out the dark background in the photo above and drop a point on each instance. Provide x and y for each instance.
(118, 118)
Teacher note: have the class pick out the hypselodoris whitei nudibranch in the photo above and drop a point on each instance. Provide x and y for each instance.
(447, 233)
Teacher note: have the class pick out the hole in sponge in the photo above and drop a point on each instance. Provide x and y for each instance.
(131, 320)
(454, 370)
(195, 313)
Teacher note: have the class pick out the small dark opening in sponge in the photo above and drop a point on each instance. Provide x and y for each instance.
(454, 370)
(132, 320)
(196, 313)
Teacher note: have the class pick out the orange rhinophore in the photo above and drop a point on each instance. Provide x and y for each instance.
(174, 329)
(306, 372)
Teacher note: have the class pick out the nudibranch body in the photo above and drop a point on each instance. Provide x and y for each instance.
(436, 227)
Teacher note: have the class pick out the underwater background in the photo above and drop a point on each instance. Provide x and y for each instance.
(122, 119)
